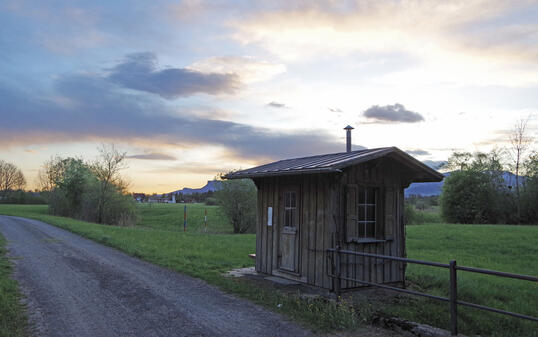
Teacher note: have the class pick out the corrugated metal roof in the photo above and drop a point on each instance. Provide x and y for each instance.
(333, 162)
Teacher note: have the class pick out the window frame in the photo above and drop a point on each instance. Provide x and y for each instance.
(365, 220)
(352, 234)
(293, 216)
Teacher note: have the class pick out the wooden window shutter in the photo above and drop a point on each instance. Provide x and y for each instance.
(390, 212)
(351, 212)
(380, 210)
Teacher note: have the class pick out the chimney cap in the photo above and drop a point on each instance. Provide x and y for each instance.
(349, 127)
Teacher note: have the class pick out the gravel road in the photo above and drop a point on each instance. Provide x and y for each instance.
(76, 287)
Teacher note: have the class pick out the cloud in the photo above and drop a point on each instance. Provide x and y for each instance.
(247, 68)
(392, 114)
(139, 72)
(418, 152)
(152, 156)
(277, 105)
(100, 111)
(192, 168)
(471, 41)
(337, 110)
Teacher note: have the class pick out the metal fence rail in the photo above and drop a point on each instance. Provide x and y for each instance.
(453, 286)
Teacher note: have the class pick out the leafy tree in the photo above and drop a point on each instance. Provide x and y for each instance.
(71, 180)
(476, 193)
(529, 192)
(520, 143)
(238, 199)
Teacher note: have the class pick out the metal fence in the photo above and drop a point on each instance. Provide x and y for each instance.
(453, 285)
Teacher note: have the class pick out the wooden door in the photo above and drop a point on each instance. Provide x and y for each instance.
(289, 233)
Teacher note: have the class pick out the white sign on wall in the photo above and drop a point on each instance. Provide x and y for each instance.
(269, 216)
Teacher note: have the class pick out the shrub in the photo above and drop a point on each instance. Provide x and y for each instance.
(477, 193)
(413, 216)
(238, 199)
(210, 201)
(409, 214)
(529, 192)
(92, 192)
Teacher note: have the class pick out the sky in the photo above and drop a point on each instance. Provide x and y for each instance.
(190, 89)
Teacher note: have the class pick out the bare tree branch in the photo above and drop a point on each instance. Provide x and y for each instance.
(520, 143)
(11, 178)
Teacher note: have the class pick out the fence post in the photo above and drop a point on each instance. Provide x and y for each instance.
(185, 218)
(337, 270)
(205, 220)
(453, 298)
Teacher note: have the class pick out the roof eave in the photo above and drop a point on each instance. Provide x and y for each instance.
(281, 173)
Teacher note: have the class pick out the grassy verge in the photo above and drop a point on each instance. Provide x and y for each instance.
(13, 321)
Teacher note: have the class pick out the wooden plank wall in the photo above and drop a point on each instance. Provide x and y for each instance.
(322, 214)
(317, 213)
(384, 175)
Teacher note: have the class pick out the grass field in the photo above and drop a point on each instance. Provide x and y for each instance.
(159, 238)
(498, 247)
(13, 322)
(170, 217)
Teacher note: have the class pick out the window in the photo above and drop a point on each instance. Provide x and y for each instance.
(290, 209)
(366, 219)
(362, 214)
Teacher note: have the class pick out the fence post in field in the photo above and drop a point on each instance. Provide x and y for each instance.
(205, 220)
(185, 218)
(453, 298)
(336, 261)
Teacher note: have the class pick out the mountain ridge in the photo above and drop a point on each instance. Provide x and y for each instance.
(435, 188)
(210, 186)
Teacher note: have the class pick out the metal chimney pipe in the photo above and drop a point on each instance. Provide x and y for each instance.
(348, 137)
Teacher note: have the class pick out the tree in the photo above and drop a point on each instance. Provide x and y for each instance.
(71, 180)
(529, 193)
(90, 191)
(458, 161)
(11, 178)
(50, 173)
(107, 171)
(476, 193)
(238, 199)
(520, 143)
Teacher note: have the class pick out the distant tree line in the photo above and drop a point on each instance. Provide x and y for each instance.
(195, 197)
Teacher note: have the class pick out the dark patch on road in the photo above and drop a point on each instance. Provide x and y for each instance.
(76, 287)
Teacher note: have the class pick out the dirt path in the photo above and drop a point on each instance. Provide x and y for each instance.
(76, 287)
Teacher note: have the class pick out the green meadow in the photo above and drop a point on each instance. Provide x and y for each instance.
(505, 248)
(158, 237)
(170, 217)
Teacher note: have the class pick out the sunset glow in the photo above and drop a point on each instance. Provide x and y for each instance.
(192, 88)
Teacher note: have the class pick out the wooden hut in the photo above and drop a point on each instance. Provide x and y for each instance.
(353, 199)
